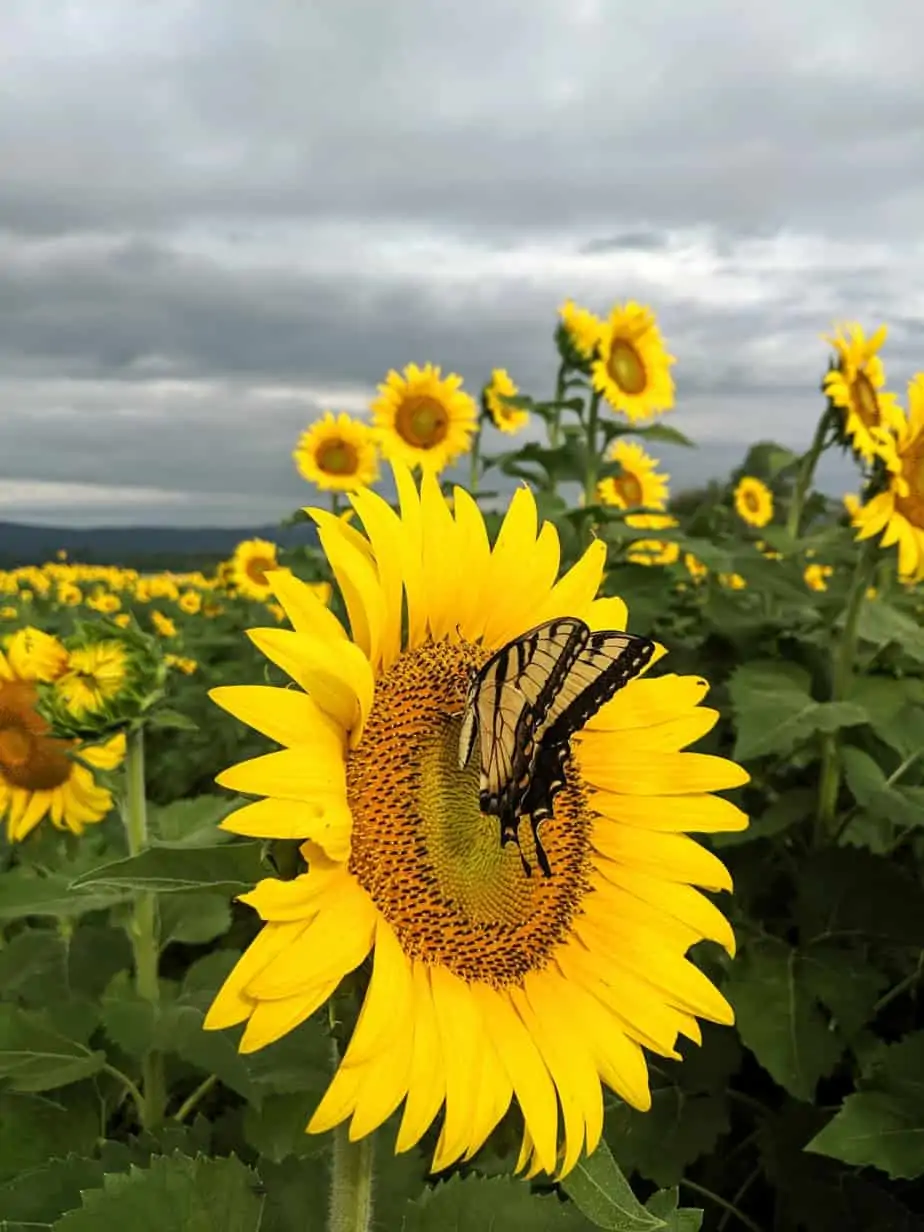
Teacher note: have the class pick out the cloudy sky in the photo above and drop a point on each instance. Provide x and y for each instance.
(218, 217)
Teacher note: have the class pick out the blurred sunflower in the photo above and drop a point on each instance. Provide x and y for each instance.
(753, 501)
(163, 625)
(424, 419)
(632, 370)
(190, 602)
(94, 674)
(253, 559)
(583, 329)
(39, 775)
(337, 454)
(33, 654)
(486, 984)
(695, 567)
(639, 485)
(652, 551)
(898, 512)
(508, 418)
(816, 576)
(855, 386)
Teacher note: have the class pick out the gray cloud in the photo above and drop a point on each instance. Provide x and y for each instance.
(217, 218)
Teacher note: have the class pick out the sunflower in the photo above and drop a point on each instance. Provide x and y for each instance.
(424, 419)
(41, 776)
(163, 625)
(337, 454)
(486, 984)
(632, 370)
(94, 674)
(639, 484)
(35, 655)
(652, 551)
(508, 418)
(732, 581)
(899, 511)
(252, 561)
(816, 576)
(753, 501)
(583, 330)
(190, 602)
(855, 386)
(695, 567)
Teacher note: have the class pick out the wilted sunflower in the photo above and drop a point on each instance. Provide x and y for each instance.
(424, 419)
(855, 386)
(486, 984)
(41, 776)
(639, 485)
(753, 501)
(253, 559)
(508, 418)
(337, 454)
(899, 511)
(632, 370)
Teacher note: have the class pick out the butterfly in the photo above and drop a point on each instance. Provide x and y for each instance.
(524, 706)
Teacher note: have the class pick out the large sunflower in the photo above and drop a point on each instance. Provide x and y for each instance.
(899, 511)
(338, 454)
(41, 776)
(424, 419)
(253, 559)
(486, 984)
(639, 485)
(632, 369)
(855, 386)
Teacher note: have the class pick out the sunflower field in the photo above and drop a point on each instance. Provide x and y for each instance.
(273, 957)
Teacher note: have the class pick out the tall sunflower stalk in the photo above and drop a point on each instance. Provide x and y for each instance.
(143, 928)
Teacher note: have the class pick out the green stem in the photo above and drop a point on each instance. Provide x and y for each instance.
(351, 1182)
(555, 424)
(841, 678)
(474, 463)
(335, 503)
(194, 1099)
(806, 475)
(593, 460)
(143, 926)
(724, 1203)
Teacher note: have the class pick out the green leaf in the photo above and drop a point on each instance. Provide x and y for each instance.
(666, 1205)
(23, 894)
(174, 1194)
(42, 1195)
(36, 1128)
(844, 982)
(477, 1205)
(171, 720)
(883, 625)
(165, 870)
(778, 1018)
(276, 1129)
(663, 433)
(662, 1143)
(876, 1129)
(295, 1190)
(847, 891)
(792, 808)
(33, 966)
(193, 822)
(775, 710)
(194, 918)
(34, 1056)
(600, 1191)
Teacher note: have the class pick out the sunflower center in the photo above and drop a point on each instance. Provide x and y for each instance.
(256, 569)
(422, 421)
(629, 490)
(626, 367)
(751, 500)
(338, 457)
(29, 759)
(864, 399)
(912, 505)
(429, 858)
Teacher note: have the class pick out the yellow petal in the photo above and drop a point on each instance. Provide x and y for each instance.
(461, 1033)
(655, 774)
(271, 1020)
(339, 1100)
(680, 901)
(644, 703)
(521, 578)
(230, 1005)
(359, 584)
(326, 819)
(287, 716)
(526, 1069)
(383, 526)
(701, 812)
(412, 558)
(298, 899)
(673, 856)
(385, 1005)
(574, 592)
(441, 560)
(105, 756)
(474, 556)
(384, 1080)
(427, 1074)
(309, 616)
(287, 775)
(608, 613)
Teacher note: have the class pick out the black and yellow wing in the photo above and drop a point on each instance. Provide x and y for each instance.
(526, 703)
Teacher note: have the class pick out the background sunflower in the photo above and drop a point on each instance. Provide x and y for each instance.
(423, 418)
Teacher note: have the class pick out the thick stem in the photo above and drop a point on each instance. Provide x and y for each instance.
(806, 475)
(555, 423)
(841, 678)
(592, 466)
(474, 473)
(143, 927)
(351, 1182)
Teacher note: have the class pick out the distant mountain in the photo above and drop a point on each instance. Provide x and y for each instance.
(150, 547)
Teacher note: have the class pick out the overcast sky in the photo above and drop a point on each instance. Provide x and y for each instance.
(218, 217)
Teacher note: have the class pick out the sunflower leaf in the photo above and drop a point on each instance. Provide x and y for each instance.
(35, 1056)
(876, 1129)
(666, 1205)
(36, 1128)
(881, 625)
(165, 870)
(23, 894)
(174, 1194)
(601, 1192)
(474, 1204)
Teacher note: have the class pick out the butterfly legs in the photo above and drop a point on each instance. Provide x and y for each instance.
(510, 833)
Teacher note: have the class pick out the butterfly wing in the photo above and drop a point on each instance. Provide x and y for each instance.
(508, 699)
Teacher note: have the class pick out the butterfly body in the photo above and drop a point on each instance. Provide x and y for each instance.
(527, 702)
